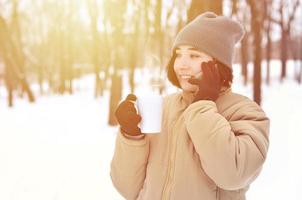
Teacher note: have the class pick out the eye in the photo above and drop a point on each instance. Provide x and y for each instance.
(193, 55)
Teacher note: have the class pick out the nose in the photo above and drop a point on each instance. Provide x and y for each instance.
(184, 67)
(183, 63)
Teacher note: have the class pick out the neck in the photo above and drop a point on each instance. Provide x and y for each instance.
(187, 97)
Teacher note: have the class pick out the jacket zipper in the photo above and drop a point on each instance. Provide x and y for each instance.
(171, 167)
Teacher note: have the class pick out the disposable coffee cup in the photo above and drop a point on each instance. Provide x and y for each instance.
(150, 108)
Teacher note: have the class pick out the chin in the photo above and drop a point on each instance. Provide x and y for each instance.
(189, 88)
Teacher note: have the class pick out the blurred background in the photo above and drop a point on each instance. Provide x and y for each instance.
(66, 64)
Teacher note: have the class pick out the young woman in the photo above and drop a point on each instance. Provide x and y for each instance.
(213, 142)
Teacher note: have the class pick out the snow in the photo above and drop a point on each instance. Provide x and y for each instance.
(60, 148)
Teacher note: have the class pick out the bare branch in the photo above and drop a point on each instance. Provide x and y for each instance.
(279, 22)
(170, 11)
(292, 16)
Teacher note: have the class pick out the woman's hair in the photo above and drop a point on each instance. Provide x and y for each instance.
(226, 73)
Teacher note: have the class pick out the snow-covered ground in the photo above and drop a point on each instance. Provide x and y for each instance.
(60, 148)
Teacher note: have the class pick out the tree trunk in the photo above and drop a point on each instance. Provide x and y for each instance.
(9, 84)
(244, 59)
(199, 6)
(160, 39)
(93, 13)
(256, 29)
(51, 85)
(13, 56)
(283, 54)
(216, 6)
(105, 63)
(115, 96)
(133, 53)
(27, 90)
(18, 52)
(268, 55)
(70, 60)
(40, 79)
(268, 20)
(131, 79)
(132, 48)
(62, 86)
(116, 82)
(300, 76)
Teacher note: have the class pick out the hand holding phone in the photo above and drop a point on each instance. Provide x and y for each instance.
(209, 84)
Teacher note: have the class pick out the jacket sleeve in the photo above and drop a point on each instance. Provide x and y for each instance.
(128, 166)
(231, 152)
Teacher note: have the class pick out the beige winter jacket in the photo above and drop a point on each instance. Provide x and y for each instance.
(206, 151)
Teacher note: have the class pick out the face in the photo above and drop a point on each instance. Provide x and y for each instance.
(187, 65)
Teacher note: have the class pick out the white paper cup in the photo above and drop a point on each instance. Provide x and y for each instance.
(150, 108)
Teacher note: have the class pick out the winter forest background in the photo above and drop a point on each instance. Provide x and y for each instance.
(66, 64)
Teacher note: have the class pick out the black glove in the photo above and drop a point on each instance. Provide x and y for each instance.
(209, 85)
(127, 116)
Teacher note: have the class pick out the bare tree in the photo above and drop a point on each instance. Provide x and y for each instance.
(133, 44)
(296, 48)
(240, 11)
(160, 37)
(66, 51)
(257, 27)
(285, 25)
(267, 29)
(13, 55)
(244, 58)
(116, 21)
(94, 15)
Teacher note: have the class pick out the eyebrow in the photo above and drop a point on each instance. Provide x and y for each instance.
(190, 48)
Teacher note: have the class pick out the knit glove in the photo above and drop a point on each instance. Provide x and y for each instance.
(127, 117)
(209, 85)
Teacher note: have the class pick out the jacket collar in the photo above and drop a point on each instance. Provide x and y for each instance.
(187, 97)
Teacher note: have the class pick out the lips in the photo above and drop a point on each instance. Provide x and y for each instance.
(188, 76)
(185, 76)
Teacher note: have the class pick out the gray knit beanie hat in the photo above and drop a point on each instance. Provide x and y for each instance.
(212, 34)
